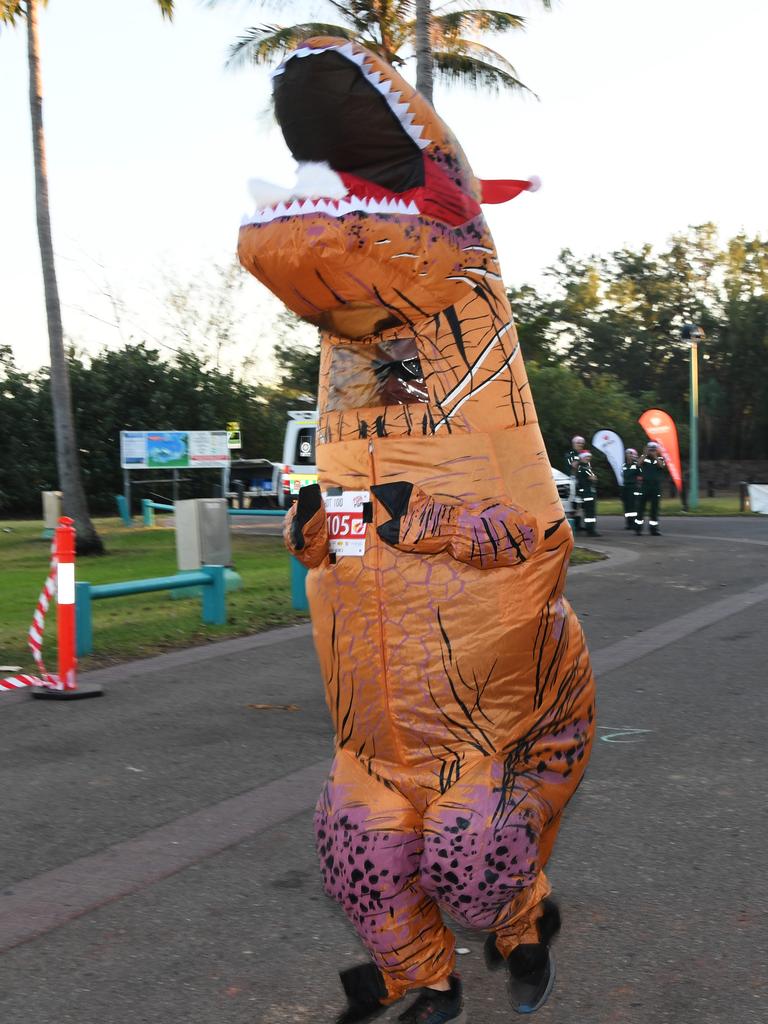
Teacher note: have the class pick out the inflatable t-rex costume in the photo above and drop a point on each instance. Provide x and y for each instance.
(455, 671)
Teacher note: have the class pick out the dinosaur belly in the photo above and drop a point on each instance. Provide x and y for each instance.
(424, 657)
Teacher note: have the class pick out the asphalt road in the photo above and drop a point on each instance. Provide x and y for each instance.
(157, 853)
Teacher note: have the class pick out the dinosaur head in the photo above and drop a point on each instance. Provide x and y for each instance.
(384, 225)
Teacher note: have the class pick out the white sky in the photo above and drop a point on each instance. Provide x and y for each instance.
(651, 117)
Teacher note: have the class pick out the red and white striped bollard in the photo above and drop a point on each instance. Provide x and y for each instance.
(66, 624)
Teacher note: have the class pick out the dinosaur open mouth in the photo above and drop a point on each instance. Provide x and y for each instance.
(336, 110)
(330, 111)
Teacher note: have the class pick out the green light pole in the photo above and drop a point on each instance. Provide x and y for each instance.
(694, 335)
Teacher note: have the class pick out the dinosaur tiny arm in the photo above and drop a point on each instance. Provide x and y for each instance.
(486, 534)
(305, 529)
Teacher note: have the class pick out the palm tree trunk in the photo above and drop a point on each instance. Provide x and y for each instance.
(74, 502)
(423, 49)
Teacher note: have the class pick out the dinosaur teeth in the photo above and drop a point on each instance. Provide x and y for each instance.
(333, 208)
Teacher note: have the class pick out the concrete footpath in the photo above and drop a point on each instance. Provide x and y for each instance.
(157, 856)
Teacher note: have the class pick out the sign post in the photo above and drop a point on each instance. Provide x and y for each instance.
(694, 335)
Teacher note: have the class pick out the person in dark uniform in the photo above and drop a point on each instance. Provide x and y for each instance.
(652, 466)
(630, 489)
(571, 465)
(586, 491)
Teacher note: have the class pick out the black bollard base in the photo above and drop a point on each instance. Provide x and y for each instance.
(46, 693)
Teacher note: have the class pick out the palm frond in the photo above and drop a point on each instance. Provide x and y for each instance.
(478, 51)
(262, 43)
(478, 19)
(11, 11)
(360, 16)
(462, 69)
(467, 5)
(166, 8)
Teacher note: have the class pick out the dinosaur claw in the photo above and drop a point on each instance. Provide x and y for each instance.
(394, 497)
(390, 531)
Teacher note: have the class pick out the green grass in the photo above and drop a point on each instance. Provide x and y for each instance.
(727, 505)
(583, 556)
(143, 624)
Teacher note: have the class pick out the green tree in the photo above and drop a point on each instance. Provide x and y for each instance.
(399, 28)
(298, 363)
(621, 316)
(566, 404)
(74, 500)
(27, 466)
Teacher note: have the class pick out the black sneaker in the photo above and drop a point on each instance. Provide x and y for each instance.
(365, 988)
(655, 533)
(433, 1007)
(531, 976)
(548, 926)
(531, 966)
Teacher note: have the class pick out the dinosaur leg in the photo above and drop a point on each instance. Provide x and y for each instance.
(489, 836)
(370, 843)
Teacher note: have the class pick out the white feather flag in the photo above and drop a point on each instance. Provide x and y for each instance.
(610, 444)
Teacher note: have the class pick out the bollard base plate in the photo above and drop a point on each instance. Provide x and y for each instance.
(46, 693)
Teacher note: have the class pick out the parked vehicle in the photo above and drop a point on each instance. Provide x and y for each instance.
(566, 488)
(299, 467)
(254, 483)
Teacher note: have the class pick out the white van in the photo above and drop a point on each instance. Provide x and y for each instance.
(299, 468)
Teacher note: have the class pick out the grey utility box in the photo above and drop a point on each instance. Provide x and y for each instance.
(51, 509)
(202, 533)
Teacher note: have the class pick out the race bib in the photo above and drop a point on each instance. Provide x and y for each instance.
(346, 528)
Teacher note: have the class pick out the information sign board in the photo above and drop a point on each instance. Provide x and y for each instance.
(174, 449)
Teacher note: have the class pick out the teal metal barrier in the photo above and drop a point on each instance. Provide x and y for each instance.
(298, 572)
(149, 507)
(123, 510)
(256, 511)
(299, 586)
(210, 578)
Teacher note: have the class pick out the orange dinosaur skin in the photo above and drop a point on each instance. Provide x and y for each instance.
(456, 673)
